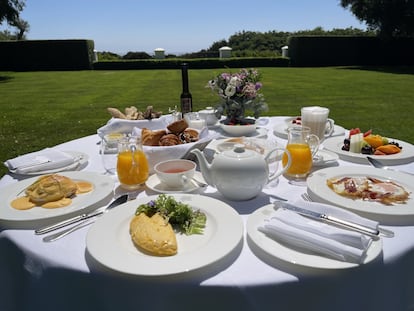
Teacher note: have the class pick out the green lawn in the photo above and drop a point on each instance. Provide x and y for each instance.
(41, 109)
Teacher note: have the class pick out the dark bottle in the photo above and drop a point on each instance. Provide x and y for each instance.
(186, 98)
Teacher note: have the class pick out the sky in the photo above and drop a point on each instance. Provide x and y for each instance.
(177, 26)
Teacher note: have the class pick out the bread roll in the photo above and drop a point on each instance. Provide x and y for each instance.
(177, 127)
(116, 113)
(151, 138)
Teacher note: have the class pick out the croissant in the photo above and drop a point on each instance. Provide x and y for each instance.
(169, 140)
(151, 138)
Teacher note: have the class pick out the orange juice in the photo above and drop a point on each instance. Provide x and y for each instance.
(301, 160)
(131, 176)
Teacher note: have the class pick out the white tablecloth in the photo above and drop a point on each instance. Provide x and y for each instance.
(61, 276)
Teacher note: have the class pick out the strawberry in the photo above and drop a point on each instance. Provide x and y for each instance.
(354, 131)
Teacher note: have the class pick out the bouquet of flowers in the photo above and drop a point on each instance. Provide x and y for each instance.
(239, 92)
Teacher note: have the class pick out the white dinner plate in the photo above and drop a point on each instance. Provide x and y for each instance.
(10, 217)
(406, 155)
(280, 129)
(80, 159)
(259, 133)
(154, 184)
(222, 234)
(282, 252)
(396, 214)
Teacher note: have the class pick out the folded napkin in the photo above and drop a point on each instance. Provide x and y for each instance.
(46, 159)
(318, 237)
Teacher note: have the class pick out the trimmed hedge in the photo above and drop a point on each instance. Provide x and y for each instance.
(203, 63)
(345, 51)
(46, 55)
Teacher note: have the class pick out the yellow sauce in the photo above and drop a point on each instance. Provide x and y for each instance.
(59, 203)
(24, 203)
(84, 187)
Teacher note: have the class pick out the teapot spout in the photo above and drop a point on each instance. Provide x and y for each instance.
(205, 167)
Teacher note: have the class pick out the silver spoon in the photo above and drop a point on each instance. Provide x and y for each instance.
(197, 182)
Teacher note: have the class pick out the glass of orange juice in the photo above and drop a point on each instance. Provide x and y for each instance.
(302, 147)
(132, 164)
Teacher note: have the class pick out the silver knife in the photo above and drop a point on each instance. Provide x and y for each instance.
(330, 219)
(99, 211)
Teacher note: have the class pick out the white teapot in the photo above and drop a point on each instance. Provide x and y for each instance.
(239, 174)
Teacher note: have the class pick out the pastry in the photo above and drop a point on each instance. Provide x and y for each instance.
(169, 140)
(51, 188)
(116, 113)
(189, 135)
(151, 138)
(177, 127)
(153, 235)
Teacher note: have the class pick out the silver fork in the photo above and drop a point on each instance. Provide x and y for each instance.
(58, 235)
(385, 232)
(306, 197)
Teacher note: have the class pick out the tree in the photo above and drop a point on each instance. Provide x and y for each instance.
(390, 18)
(10, 12)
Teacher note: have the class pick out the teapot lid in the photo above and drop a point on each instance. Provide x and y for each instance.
(239, 151)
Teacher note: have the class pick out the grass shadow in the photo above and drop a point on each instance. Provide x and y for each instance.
(4, 79)
(385, 69)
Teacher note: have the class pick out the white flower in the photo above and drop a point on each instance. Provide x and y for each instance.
(234, 81)
(230, 90)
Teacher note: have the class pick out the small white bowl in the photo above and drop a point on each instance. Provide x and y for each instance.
(239, 130)
(175, 173)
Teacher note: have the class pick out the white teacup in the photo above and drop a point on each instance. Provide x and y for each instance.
(175, 174)
(316, 118)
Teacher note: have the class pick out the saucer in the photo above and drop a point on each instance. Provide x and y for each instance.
(260, 132)
(324, 157)
(154, 184)
(280, 130)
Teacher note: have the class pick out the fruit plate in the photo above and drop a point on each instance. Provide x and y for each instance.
(406, 155)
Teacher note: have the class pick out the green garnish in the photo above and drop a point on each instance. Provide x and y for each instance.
(181, 216)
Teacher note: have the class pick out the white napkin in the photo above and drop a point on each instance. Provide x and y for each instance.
(115, 125)
(46, 159)
(319, 237)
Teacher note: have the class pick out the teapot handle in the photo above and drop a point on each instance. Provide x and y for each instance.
(273, 176)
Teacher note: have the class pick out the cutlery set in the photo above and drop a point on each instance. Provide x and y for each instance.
(82, 220)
